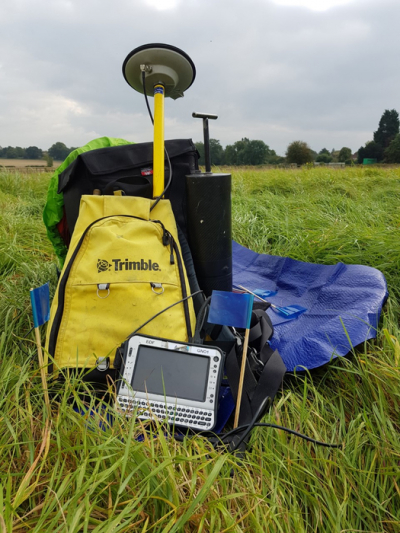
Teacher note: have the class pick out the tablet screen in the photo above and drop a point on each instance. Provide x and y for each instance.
(171, 373)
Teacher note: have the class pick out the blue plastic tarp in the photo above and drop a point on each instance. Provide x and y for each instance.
(343, 304)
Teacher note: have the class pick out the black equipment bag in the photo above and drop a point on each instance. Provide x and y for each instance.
(128, 168)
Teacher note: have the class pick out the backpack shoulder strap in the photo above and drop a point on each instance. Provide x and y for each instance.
(261, 380)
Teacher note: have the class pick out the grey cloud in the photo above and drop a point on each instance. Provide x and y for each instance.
(270, 72)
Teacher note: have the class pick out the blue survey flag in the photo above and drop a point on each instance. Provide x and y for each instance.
(231, 309)
(289, 311)
(263, 293)
(40, 301)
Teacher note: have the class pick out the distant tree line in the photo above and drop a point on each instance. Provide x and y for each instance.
(243, 152)
(255, 152)
(11, 152)
(58, 151)
(385, 147)
(299, 153)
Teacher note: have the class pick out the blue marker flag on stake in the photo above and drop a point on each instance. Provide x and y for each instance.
(231, 309)
(40, 301)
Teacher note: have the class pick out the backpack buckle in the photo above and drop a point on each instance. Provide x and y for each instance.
(103, 364)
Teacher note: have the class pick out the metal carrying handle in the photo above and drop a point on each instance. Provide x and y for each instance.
(157, 286)
(205, 117)
(103, 287)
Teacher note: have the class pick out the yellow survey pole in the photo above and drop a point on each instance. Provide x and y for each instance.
(158, 145)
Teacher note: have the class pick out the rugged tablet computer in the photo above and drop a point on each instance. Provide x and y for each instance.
(170, 381)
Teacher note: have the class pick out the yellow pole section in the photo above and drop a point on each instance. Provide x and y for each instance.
(158, 146)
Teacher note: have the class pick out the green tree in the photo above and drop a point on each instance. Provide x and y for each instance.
(260, 152)
(360, 155)
(335, 155)
(392, 152)
(216, 152)
(299, 152)
(11, 153)
(388, 128)
(371, 150)
(59, 151)
(33, 152)
(200, 148)
(324, 151)
(323, 158)
(48, 159)
(247, 152)
(344, 154)
(21, 154)
(242, 155)
(274, 159)
(230, 155)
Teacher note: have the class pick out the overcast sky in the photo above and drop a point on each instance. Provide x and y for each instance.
(321, 71)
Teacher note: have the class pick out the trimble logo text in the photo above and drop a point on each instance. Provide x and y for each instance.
(120, 264)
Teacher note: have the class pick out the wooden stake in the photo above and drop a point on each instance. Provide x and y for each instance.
(241, 379)
(41, 366)
(42, 371)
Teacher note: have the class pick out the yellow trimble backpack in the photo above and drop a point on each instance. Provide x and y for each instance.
(124, 265)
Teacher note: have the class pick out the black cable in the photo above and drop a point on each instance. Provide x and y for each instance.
(162, 311)
(217, 438)
(201, 316)
(168, 183)
(24, 337)
(30, 331)
(145, 96)
(262, 408)
(291, 431)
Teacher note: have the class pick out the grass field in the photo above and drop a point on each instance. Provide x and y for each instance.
(59, 472)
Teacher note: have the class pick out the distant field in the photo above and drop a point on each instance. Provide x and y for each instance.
(21, 163)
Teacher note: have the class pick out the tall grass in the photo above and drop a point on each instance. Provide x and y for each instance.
(71, 472)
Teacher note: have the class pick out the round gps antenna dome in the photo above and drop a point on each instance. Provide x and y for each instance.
(162, 64)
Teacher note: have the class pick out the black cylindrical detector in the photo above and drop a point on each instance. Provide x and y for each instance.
(210, 229)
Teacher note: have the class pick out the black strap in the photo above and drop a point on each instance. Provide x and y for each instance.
(270, 380)
(232, 368)
(200, 321)
(255, 388)
(260, 333)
